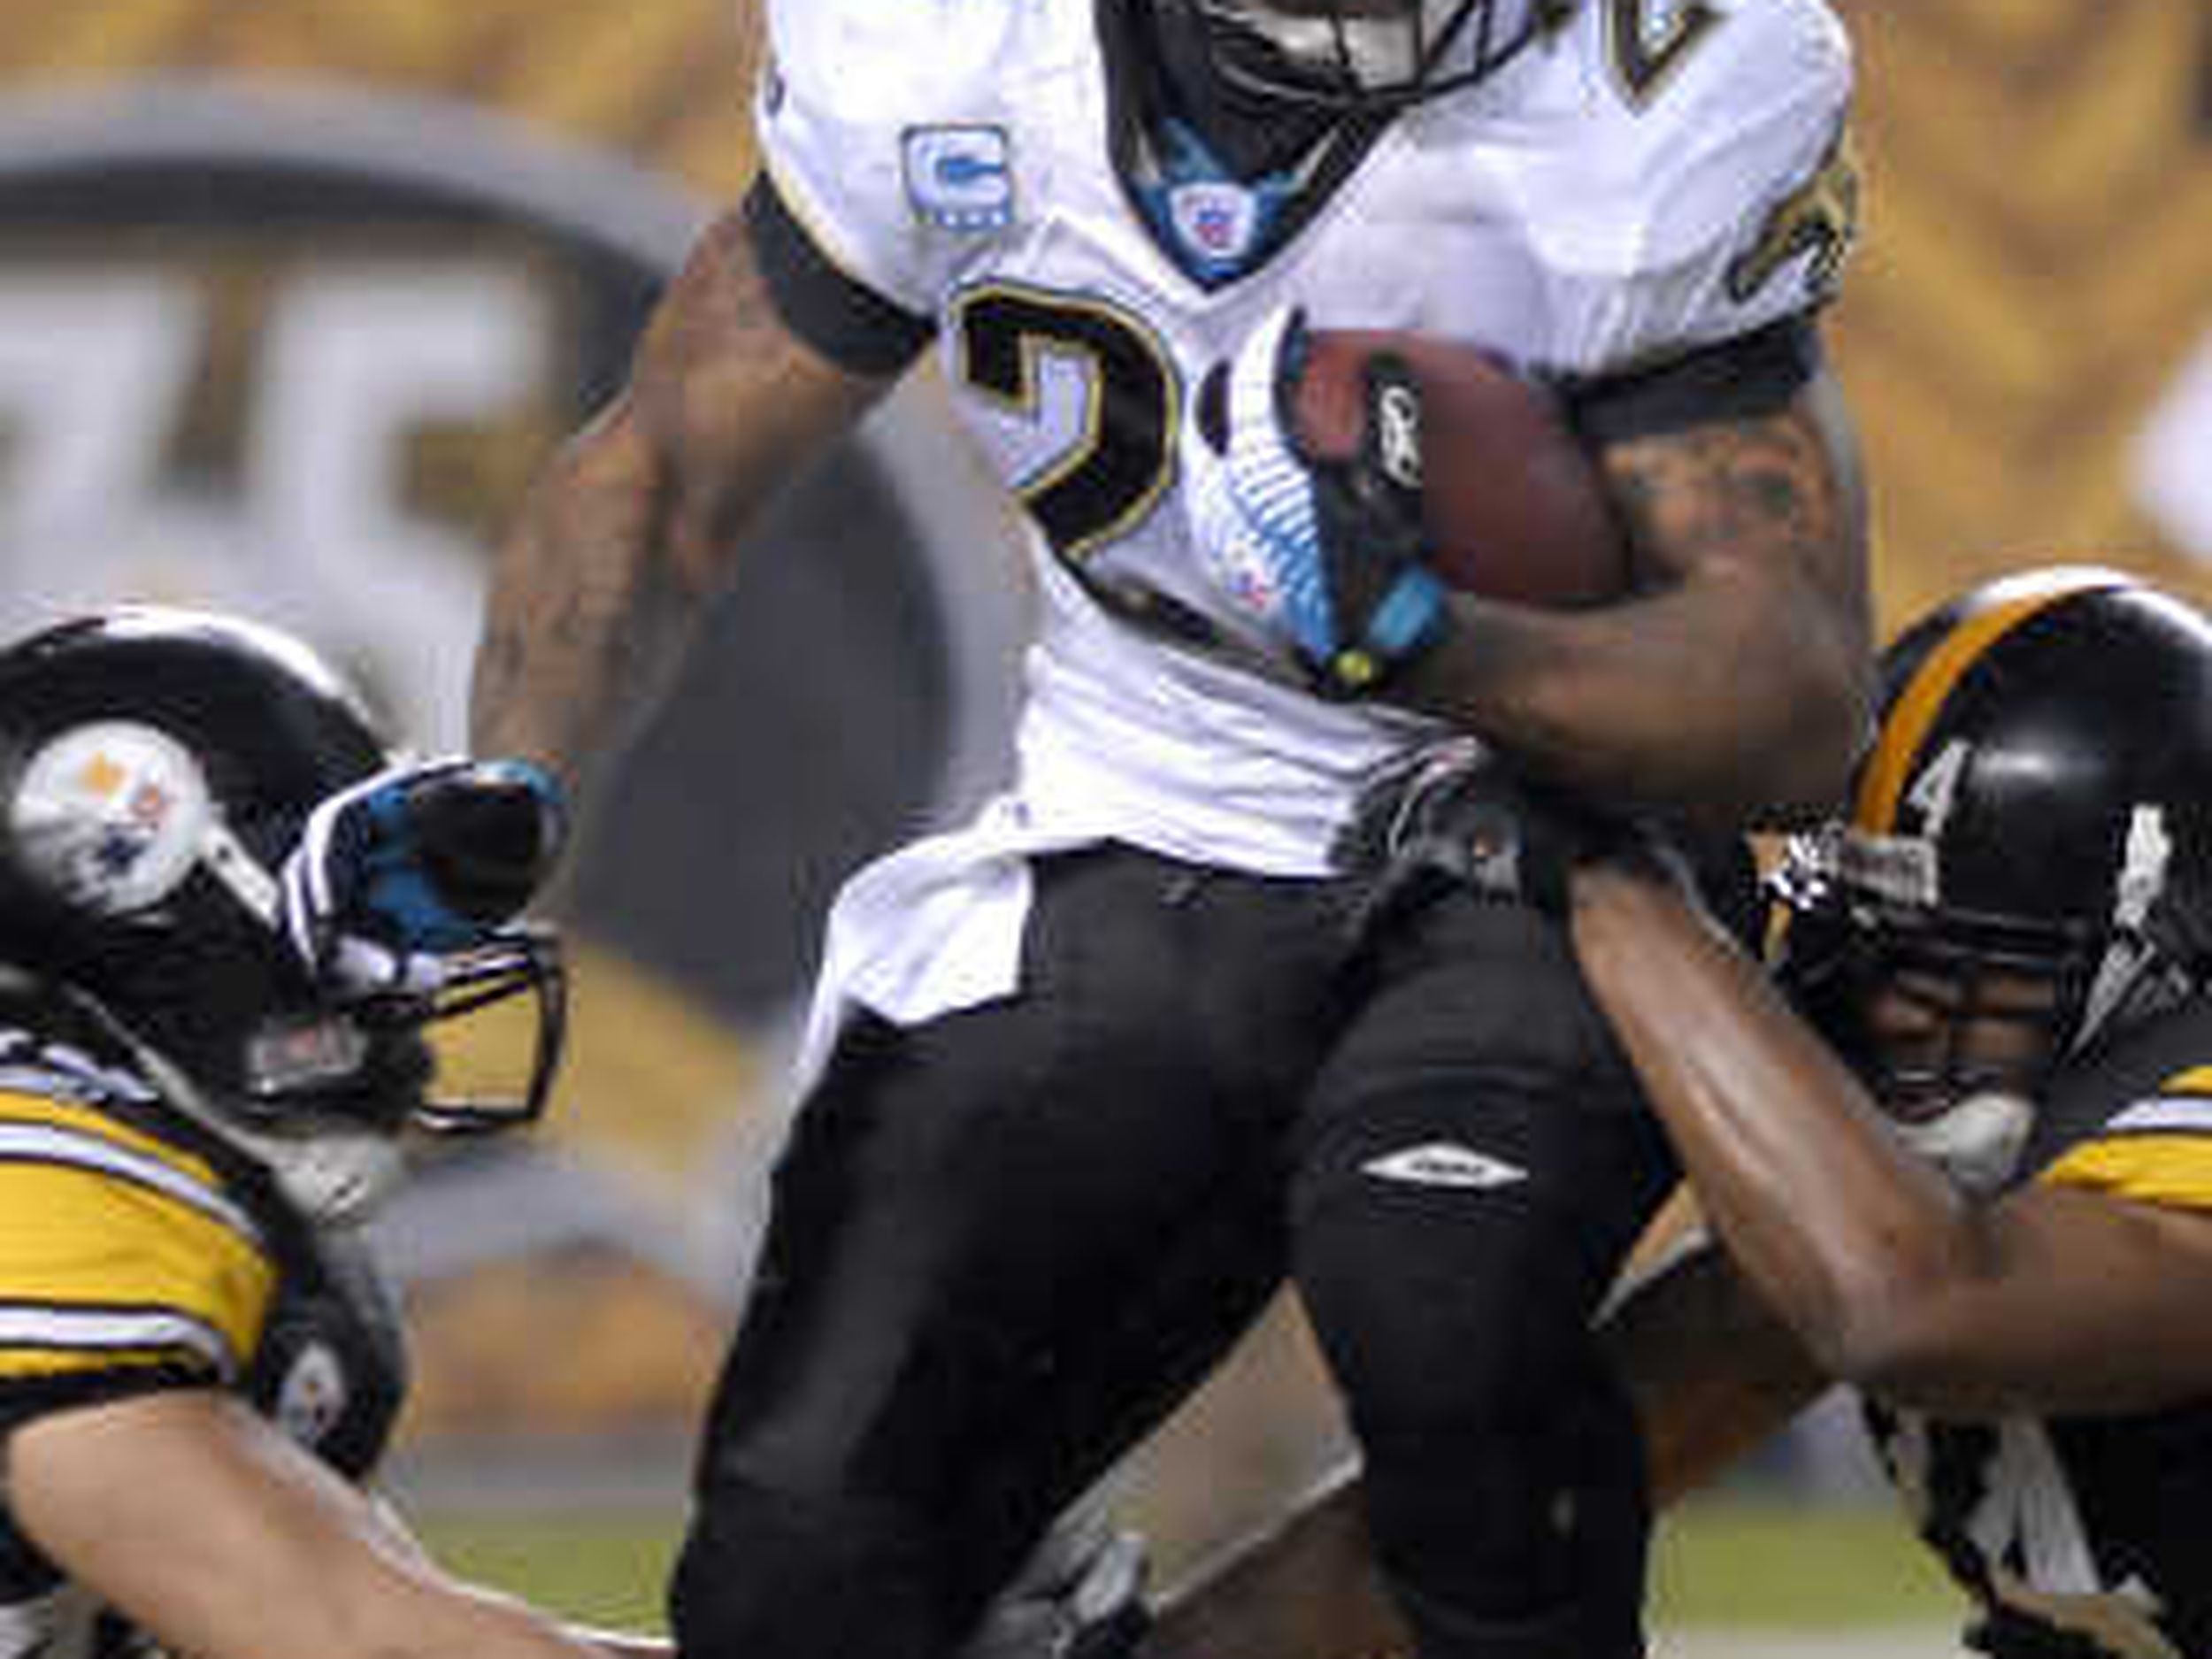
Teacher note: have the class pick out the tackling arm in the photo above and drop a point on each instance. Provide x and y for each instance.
(1736, 683)
(200, 1521)
(2050, 1299)
(632, 528)
(1305, 1587)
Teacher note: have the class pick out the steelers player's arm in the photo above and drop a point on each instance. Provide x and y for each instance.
(1713, 1374)
(210, 1528)
(1302, 1586)
(1736, 678)
(2083, 1292)
(616, 1644)
(759, 355)
(1712, 1371)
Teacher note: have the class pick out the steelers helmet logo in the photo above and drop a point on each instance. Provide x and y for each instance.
(313, 1398)
(295, 358)
(110, 817)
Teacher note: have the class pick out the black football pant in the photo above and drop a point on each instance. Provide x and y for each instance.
(1004, 1245)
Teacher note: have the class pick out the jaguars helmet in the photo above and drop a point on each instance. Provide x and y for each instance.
(1363, 57)
(2038, 800)
(156, 768)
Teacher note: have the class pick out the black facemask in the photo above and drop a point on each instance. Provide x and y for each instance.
(1250, 131)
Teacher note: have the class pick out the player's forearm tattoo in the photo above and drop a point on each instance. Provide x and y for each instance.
(570, 621)
(1767, 488)
(638, 520)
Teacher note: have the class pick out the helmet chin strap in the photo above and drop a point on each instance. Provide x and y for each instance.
(334, 1173)
(337, 1178)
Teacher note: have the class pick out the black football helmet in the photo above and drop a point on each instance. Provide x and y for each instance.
(2038, 800)
(1363, 57)
(157, 766)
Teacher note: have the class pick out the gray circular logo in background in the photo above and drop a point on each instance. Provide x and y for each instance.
(297, 354)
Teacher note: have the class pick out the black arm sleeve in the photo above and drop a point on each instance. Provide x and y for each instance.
(1752, 375)
(852, 325)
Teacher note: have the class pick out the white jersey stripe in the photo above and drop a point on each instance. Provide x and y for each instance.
(48, 1143)
(93, 1330)
(2188, 1113)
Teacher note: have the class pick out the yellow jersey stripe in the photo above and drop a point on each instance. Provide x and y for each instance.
(2196, 1081)
(1922, 698)
(39, 1143)
(76, 1235)
(37, 1365)
(2154, 1168)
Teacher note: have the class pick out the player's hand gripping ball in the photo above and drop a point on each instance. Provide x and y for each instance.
(1342, 483)
(1325, 552)
(1512, 507)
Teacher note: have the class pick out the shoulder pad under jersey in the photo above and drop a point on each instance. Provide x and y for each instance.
(1711, 191)
(2154, 1079)
(886, 124)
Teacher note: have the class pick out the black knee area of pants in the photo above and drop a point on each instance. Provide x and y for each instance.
(1567, 1631)
(767, 1575)
(1449, 1306)
(1539, 1549)
(1504, 1470)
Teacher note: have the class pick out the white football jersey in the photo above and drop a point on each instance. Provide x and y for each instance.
(1635, 183)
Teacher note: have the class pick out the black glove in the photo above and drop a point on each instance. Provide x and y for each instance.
(1454, 815)
(410, 867)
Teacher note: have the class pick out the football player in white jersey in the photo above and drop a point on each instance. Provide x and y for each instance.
(2005, 948)
(1091, 1077)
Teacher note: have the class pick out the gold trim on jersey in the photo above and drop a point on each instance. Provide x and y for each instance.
(1817, 222)
(2159, 1167)
(1924, 698)
(1645, 45)
(115, 1249)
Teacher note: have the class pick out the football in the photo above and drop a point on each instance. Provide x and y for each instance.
(1512, 503)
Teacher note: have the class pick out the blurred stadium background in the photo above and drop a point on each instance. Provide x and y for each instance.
(292, 295)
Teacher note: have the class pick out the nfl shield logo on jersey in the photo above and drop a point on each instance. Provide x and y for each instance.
(960, 178)
(1216, 221)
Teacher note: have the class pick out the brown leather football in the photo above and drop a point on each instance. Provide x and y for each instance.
(1512, 501)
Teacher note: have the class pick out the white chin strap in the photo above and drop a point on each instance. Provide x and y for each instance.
(334, 1175)
(1976, 1143)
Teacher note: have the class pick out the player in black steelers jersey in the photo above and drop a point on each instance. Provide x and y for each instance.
(235, 933)
(1957, 1151)
(1088, 1078)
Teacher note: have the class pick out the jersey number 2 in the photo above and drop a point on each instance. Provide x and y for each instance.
(1110, 475)
(1645, 52)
